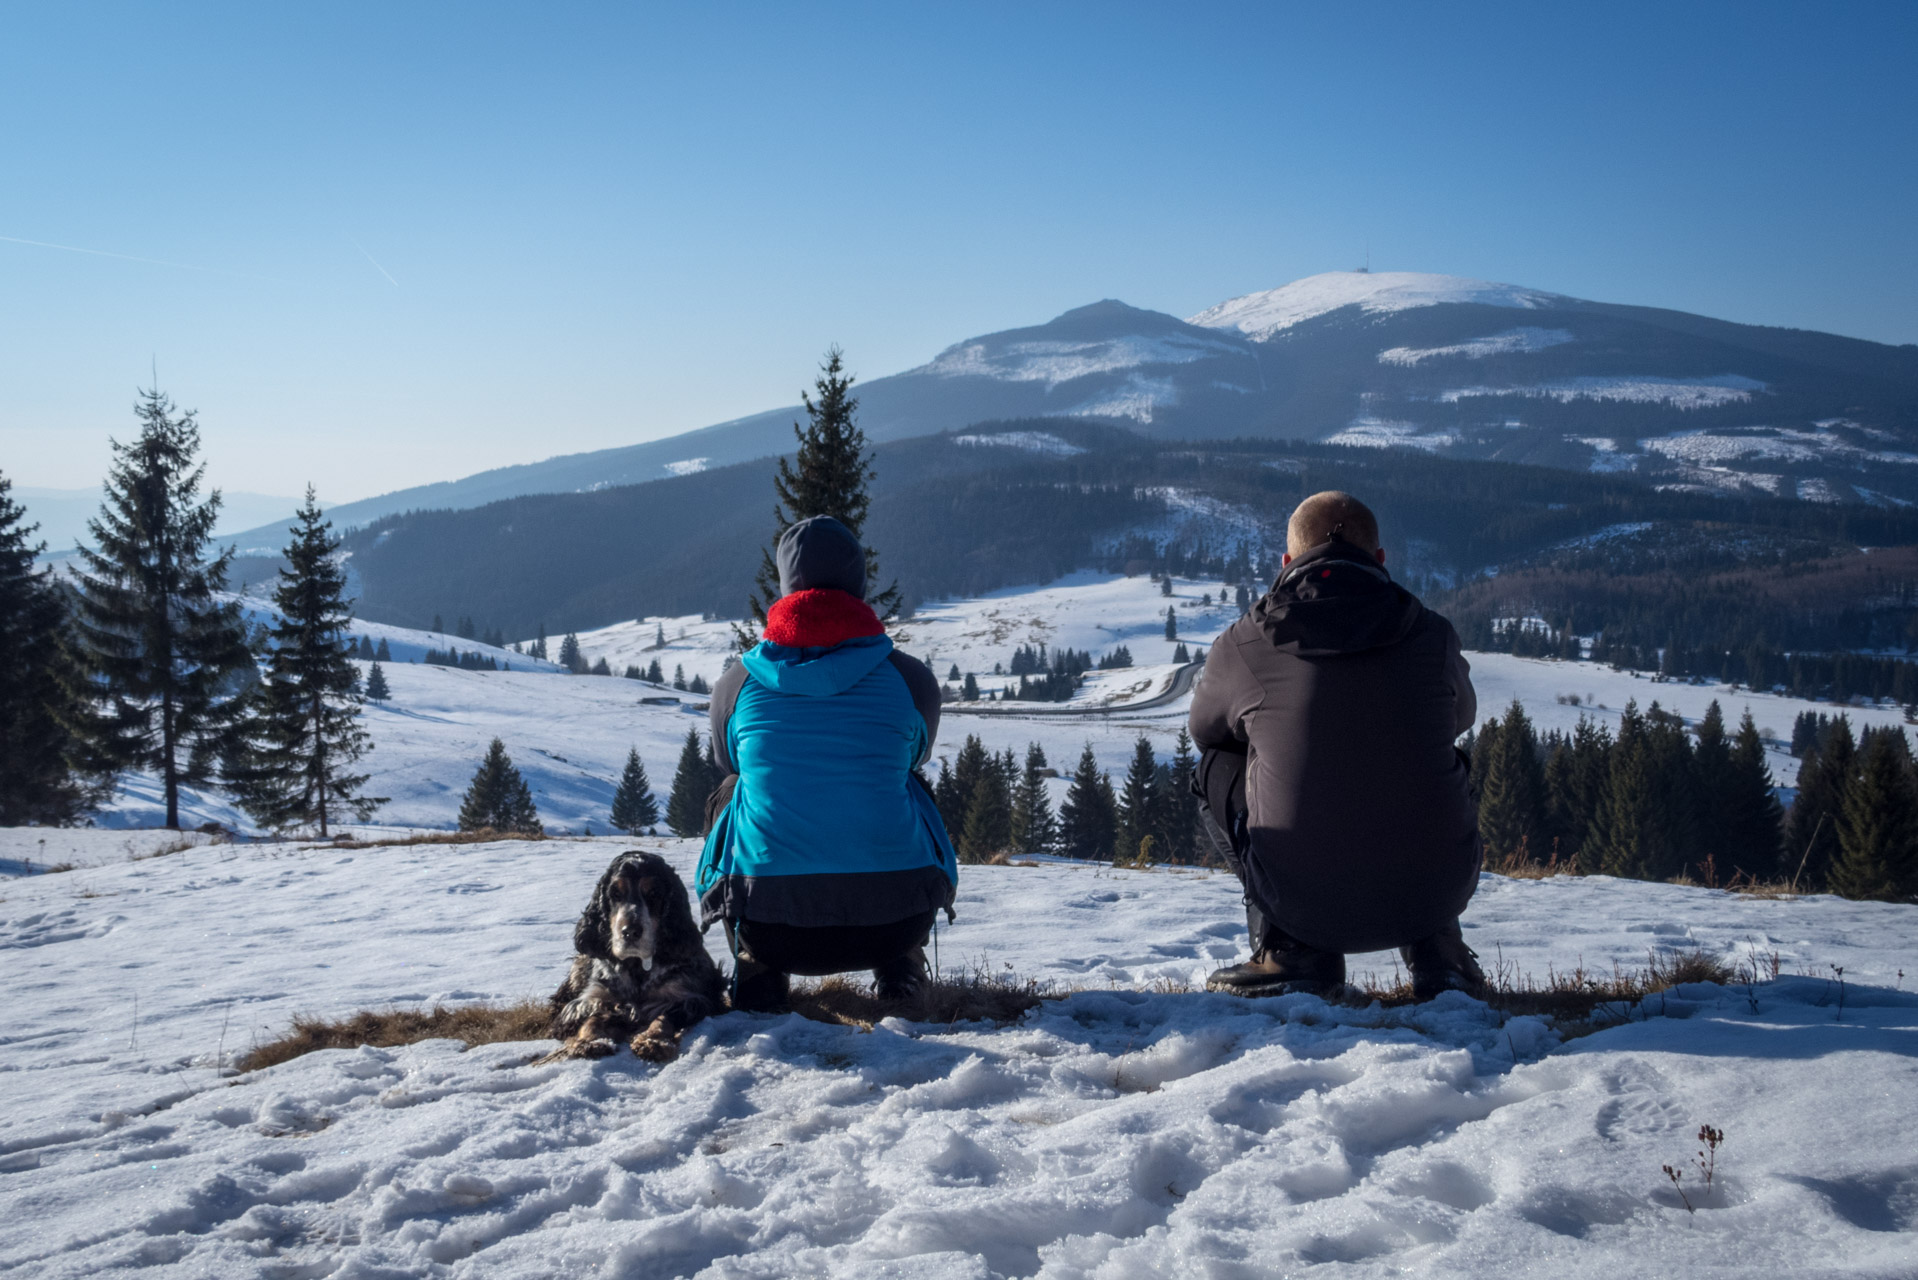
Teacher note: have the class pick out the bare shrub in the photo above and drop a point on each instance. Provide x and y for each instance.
(1580, 1000)
(977, 995)
(484, 835)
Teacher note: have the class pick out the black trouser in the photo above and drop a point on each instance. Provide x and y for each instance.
(1220, 784)
(826, 949)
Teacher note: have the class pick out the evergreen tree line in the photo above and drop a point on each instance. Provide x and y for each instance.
(473, 660)
(367, 651)
(994, 807)
(1656, 802)
(1628, 646)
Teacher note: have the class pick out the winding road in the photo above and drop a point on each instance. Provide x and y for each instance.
(1182, 681)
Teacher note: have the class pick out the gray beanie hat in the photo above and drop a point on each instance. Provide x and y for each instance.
(820, 552)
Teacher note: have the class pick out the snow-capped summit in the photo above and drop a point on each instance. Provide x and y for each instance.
(1260, 315)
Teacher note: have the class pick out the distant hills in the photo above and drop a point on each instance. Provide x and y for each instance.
(1401, 360)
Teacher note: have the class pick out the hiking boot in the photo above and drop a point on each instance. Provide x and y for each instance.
(759, 988)
(904, 977)
(1443, 963)
(1282, 965)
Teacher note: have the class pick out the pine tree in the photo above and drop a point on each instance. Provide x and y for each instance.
(1577, 776)
(296, 750)
(162, 654)
(1171, 623)
(988, 829)
(1511, 806)
(439, 626)
(1625, 811)
(539, 643)
(569, 655)
(1034, 829)
(970, 691)
(829, 475)
(1180, 656)
(498, 798)
(1712, 771)
(383, 652)
(1878, 824)
(634, 808)
(654, 674)
(1088, 819)
(686, 802)
(1138, 802)
(1181, 806)
(953, 675)
(659, 635)
(376, 686)
(39, 707)
(969, 764)
(1751, 816)
(1811, 828)
(679, 678)
(601, 667)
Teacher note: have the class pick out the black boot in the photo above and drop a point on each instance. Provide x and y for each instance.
(1281, 965)
(903, 977)
(759, 988)
(1443, 962)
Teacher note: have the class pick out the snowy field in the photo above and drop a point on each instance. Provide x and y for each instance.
(1131, 1129)
(569, 735)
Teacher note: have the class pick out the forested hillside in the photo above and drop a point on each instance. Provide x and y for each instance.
(1025, 501)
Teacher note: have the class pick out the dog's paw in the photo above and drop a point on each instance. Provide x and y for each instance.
(657, 1043)
(580, 1047)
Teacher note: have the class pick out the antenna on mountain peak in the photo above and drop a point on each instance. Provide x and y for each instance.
(1366, 270)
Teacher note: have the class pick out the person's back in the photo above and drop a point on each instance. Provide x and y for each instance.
(1327, 716)
(827, 852)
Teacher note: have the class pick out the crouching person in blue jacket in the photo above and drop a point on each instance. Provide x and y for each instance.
(827, 854)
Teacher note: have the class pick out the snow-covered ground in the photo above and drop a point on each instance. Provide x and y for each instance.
(1131, 1129)
(569, 735)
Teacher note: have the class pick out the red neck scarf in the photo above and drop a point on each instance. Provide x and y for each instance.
(820, 618)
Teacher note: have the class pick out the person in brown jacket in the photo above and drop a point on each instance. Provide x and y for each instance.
(1326, 718)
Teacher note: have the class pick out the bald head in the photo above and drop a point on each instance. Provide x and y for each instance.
(1325, 515)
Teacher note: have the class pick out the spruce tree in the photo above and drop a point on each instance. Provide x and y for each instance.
(1712, 772)
(828, 475)
(295, 752)
(1625, 813)
(162, 654)
(970, 763)
(1511, 806)
(539, 643)
(1138, 802)
(498, 798)
(686, 802)
(969, 692)
(569, 656)
(1171, 623)
(988, 829)
(376, 686)
(1750, 814)
(1034, 829)
(1576, 790)
(1811, 828)
(1181, 806)
(382, 652)
(1878, 823)
(39, 705)
(634, 808)
(1088, 819)
(602, 667)
(654, 674)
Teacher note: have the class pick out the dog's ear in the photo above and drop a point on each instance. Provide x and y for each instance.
(589, 935)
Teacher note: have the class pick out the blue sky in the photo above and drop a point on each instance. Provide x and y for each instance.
(390, 244)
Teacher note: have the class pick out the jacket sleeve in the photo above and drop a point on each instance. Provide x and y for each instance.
(924, 687)
(1458, 674)
(1227, 691)
(725, 698)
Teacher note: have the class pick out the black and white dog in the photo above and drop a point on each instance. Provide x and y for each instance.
(641, 972)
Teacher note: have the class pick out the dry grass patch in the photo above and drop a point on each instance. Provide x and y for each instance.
(1577, 1003)
(1581, 1000)
(976, 996)
(473, 1024)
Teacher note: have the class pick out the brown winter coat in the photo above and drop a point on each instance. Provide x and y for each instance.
(1345, 693)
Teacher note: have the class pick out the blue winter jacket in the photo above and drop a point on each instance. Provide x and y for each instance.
(827, 823)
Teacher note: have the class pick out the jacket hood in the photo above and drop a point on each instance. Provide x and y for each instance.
(820, 618)
(821, 552)
(1335, 599)
(815, 672)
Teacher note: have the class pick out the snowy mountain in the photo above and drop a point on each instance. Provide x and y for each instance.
(1441, 363)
